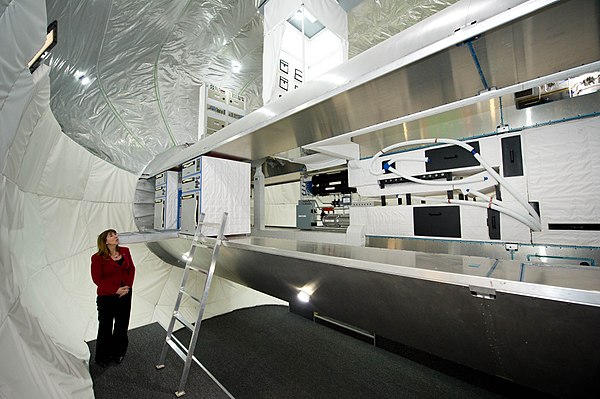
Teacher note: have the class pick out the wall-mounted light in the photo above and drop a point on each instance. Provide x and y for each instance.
(303, 296)
(51, 40)
(84, 80)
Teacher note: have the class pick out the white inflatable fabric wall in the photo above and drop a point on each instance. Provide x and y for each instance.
(55, 198)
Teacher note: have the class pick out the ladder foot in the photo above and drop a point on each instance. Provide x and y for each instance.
(160, 366)
(179, 394)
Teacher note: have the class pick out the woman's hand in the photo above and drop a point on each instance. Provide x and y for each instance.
(123, 291)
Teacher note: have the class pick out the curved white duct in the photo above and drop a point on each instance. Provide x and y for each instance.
(533, 219)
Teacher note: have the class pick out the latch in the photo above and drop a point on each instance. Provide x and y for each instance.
(483, 292)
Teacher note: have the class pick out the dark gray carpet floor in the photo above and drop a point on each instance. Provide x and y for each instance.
(268, 352)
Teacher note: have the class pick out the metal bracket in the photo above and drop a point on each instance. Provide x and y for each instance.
(502, 129)
(483, 292)
(511, 246)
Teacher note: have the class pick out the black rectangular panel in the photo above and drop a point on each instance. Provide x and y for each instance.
(451, 157)
(512, 156)
(437, 221)
(331, 183)
(574, 226)
(493, 223)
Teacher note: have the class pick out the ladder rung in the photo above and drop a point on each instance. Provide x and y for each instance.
(173, 343)
(183, 321)
(187, 354)
(209, 224)
(190, 295)
(202, 244)
(197, 269)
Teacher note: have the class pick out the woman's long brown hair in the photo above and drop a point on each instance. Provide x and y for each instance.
(102, 248)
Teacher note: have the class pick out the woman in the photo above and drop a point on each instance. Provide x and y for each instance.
(112, 271)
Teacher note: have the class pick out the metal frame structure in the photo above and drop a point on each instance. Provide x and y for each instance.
(187, 353)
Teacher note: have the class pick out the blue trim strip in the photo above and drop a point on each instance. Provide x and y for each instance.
(493, 268)
(522, 275)
(477, 64)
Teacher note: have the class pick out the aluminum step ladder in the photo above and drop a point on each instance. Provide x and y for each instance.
(187, 353)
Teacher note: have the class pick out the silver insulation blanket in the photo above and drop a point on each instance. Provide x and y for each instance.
(146, 58)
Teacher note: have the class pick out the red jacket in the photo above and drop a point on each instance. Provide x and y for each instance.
(108, 275)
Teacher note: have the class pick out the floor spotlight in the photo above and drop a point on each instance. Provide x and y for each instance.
(303, 296)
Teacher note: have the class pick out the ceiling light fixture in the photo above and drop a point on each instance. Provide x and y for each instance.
(84, 80)
(236, 66)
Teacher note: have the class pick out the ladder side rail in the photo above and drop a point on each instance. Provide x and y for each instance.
(205, 293)
(163, 352)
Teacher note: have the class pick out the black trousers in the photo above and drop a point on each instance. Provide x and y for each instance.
(112, 340)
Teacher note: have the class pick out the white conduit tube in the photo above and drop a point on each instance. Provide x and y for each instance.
(515, 215)
(497, 203)
(485, 165)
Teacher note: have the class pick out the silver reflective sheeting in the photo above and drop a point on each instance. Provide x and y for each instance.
(145, 59)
